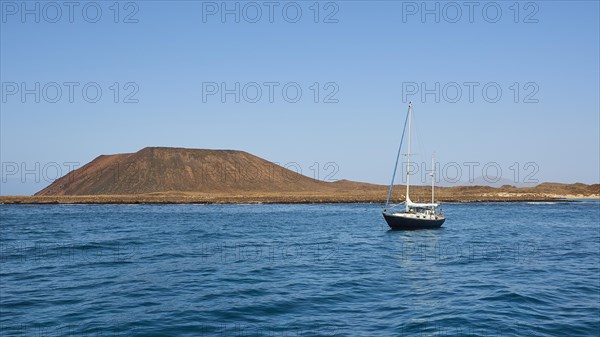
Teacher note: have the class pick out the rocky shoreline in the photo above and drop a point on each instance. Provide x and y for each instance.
(275, 198)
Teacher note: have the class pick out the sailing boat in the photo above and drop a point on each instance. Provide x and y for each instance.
(415, 215)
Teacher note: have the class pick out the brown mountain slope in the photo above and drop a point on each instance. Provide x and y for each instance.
(158, 169)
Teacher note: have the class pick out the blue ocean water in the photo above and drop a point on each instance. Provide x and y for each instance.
(494, 269)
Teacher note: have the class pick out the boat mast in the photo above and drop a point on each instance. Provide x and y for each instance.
(408, 156)
(432, 178)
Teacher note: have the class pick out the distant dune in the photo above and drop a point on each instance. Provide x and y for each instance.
(177, 175)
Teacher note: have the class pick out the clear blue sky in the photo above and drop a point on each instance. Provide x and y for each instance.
(372, 54)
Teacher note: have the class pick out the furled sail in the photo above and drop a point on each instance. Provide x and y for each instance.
(411, 204)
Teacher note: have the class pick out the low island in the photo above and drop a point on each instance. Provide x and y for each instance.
(158, 175)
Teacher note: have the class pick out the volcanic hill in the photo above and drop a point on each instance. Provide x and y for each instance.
(160, 169)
